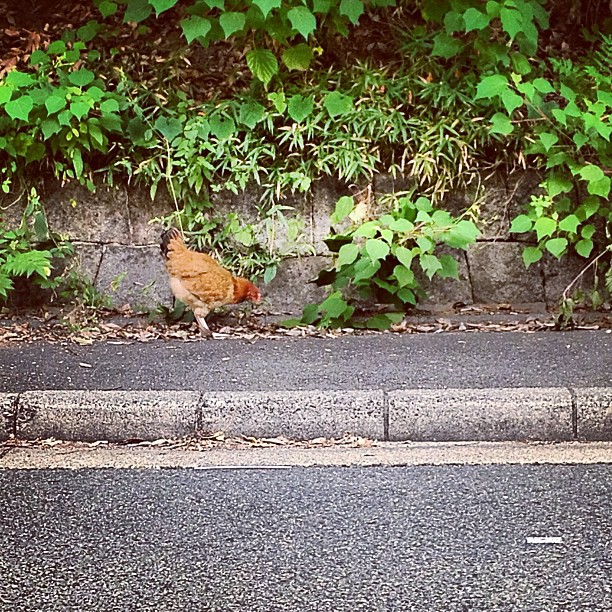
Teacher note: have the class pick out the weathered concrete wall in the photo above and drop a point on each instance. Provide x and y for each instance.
(115, 239)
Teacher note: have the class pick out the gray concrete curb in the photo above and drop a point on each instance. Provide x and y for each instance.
(414, 414)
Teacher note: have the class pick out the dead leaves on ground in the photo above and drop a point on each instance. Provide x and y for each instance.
(201, 442)
(119, 330)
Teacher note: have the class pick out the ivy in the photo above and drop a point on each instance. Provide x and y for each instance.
(383, 258)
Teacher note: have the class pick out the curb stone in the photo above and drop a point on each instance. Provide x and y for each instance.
(106, 415)
(295, 414)
(495, 414)
(452, 415)
(8, 408)
(594, 413)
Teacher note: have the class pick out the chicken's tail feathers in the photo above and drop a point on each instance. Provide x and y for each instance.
(171, 240)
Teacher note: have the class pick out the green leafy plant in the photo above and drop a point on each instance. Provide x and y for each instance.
(385, 258)
(30, 250)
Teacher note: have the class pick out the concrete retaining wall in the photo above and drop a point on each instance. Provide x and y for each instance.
(115, 239)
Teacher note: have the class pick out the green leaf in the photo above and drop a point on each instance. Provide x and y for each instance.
(279, 101)
(599, 183)
(269, 274)
(302, 20)
(222, 128)
(404, 275)
(232, 22)
(376, 248)
(50, 127)
(521, 224)
(79, 109)
(446, 46)
(170, 127)
(491, 86)
(19, 79)
(89, 31)
(81, 77)
(334, 305)
(338, 104)
(54, 103)
(556, 184)
(584, 247)
(344, 207)
(425, 243)
(511, 100)
(298, 57)
(321, 6)
(195, 27)
(77, 161)
(569, 224)
(300, 107)
(560, 116)
(475, 20)
(6, 284)
(404, 256)
(461, 234)
(600, 187)
(430, 264)
(587, 231)
(347, 254)
(384, 320)
(548, 139)
(137, 10)
(251, 114)
(28, 263)
(57, 47)
(265, 6)
(556, 246)
(450, 267)
(512, 21)
(501, 124)
(531, 255)
(310, 314)
(5, 94)
(20, 107)
(520, 63)
(580, 139)
(401, 225)
(453, 22)
(109, 106)
(263, 64)
(40, 226)
(367, 230)
(365, 268)
(38, 57)
(543, 86)
(107, 8)
(353, 9)
(162, 5)
(544, 226)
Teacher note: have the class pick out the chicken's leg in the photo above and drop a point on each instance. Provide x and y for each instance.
(204, 329)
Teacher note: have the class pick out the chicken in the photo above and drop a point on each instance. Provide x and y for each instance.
(200, 282)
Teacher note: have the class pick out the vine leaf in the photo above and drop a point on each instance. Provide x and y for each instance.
(263, 64)
(195, 27)
(302, 20)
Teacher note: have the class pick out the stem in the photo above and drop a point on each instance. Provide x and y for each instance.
(583, 271)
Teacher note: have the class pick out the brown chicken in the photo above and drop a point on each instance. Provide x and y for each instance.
(199, 281)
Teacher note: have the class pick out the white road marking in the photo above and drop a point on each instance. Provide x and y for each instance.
(545, 540)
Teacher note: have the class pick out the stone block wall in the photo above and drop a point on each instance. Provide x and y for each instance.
(117, 244)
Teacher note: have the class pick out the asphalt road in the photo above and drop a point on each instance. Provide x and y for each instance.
(447, 538)
(451, 360)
